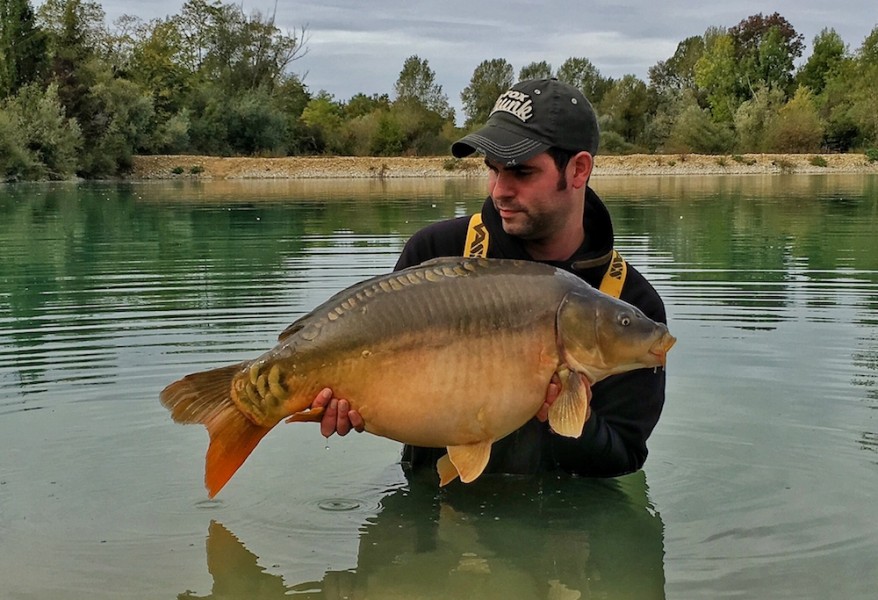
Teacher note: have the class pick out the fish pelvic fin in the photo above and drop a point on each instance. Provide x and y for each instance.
(205, 398)
(570, 410)
(468, 460)
(447, 471)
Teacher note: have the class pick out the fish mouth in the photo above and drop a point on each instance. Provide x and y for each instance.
(661, 347)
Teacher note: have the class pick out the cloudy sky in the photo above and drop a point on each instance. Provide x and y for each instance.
(360, 45)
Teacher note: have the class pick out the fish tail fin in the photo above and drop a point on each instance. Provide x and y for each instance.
(205, 398)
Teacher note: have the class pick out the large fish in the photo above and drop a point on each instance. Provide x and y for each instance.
(453, 353)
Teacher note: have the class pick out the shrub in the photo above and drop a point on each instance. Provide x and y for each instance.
(756, 116)
(784, 165)
(15, 161)
(695, 131)
(818, 161)
(614, 143)
(872, 154)
(41, 142)
(457, 164)
(742, 160)
(178, 170)
(196, 169)
(797, 127)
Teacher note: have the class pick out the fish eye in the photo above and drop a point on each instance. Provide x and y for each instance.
(624, 320)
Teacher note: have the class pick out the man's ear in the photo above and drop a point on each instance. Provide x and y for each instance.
(582, 163)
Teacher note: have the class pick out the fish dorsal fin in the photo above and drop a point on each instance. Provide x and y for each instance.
(294, 328)
(570, 410)
(470, 460)
(442, 260)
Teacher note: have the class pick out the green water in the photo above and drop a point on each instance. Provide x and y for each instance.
(762, 475)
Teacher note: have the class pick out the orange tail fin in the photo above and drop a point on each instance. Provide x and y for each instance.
(205, 398)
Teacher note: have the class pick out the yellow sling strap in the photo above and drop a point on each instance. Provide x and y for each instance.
(476, 245)
(614, 278)
(476, 238)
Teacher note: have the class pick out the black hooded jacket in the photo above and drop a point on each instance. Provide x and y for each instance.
(625, 408)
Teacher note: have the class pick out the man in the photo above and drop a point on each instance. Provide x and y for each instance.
(539, 145)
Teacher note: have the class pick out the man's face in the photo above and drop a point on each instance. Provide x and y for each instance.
(528, 197)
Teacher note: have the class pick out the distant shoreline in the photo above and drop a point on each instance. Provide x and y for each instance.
(311, 167)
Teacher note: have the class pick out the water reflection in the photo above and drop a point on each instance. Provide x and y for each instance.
(498, 538)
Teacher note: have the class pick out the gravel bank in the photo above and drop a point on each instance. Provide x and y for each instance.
(210, 167)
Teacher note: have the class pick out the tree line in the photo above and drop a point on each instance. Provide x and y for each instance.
(80, 98)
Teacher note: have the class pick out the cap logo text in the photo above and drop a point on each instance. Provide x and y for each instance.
(517, 104)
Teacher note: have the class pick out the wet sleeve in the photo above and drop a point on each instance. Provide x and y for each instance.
(625, 410)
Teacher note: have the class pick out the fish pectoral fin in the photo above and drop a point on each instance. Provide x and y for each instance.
(470, 460)
(447, 471)
(570, 410)
(306, 416)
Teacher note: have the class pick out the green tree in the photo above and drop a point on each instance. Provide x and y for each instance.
(716, 73)
(326, 116)
(826, 58)
(766, 49)
(835, 103)
(678, 72)
(156, 62)
(389, 137)
(417, 83)
(536, 70)
(121, 126)
(238, 51)
(77, 41)
(23, 49)
(864, 92)
(583, 75)
(74, 27)
(623, 108)
(255, 125)
(360, 105)
(490, 79)
(419, 129)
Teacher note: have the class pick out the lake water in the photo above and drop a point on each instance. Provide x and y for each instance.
(763, 472)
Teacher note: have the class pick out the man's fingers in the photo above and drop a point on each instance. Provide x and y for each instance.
(357, 421)
(543, 413)
(552, 392)
(342, 422)
(322, 398)
(338, 417)
(330, 417)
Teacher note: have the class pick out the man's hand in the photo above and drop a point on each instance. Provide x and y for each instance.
(552, 393)
(338, 416)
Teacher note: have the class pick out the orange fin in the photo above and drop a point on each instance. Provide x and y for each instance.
(569, 411)
(205, 398)
(470, 460)
(306, 416)
(447, 471)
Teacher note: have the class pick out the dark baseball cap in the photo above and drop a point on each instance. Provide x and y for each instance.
(531, 117)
